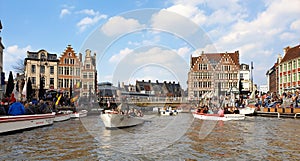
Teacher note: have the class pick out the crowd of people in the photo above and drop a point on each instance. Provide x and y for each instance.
(13, 106)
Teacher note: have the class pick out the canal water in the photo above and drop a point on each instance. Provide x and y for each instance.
(159, 138)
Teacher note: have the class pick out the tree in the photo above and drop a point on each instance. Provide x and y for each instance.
(29, 90)
(41, 90)
(19, 66)
(10, 85)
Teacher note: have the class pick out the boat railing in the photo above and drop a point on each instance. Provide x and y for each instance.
(296, 115)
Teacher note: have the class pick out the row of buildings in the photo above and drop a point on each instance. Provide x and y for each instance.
(284, 75)
(67, 71)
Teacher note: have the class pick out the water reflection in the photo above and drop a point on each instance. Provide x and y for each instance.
(161, 138)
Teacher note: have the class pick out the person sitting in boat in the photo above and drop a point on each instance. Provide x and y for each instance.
(2, 109)
(28, 109)
(205, 109)
(236, 111)
(16, 108)
(221, 112)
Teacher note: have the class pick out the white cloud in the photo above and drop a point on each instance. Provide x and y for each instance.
(118, 57)
(183, 52)
(173, 23)
(90, 12)
(120, 25)
(89, 21)
(189, 11)
(295, 25)
(64, 12)
(12, 54)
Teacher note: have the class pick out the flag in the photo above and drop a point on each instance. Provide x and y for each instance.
(16, 93)
(56, 103)
(24, 91)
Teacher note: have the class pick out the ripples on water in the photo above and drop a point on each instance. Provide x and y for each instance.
(160, 138)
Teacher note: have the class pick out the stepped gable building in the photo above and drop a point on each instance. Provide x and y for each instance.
(165, 89)
(41, 67)
(89, 75)
(289, 70)
(213, 72)
(69, 70)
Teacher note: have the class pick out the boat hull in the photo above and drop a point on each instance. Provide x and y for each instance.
(120, 121)
(61, 117)
(82, 113)
(216, 117)
(247, 111)
(22, 122)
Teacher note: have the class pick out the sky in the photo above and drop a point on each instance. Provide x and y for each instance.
(151, 40)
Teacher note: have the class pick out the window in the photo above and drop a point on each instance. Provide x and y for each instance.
(294, 64)
(84, 86)
(284, 67)
(66, 61)
(33, 80)
(32, 68)
(294, 77)
(91, 75)
(66, 83)
(51, 81)
(88, 66)
(51, 69)
(71, 71)
(72, 61)
(60, 83)
(84, 75)
(42, 69)
(77, 71)
(202, 66)
(67, 72)
(60, 70)
(91, 86)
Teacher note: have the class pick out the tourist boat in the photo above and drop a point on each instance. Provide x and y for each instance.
(247, 110)
(62, 116)
(225, 117)
(113, 119)
(81, 113)
(168, 112)
(21, 122)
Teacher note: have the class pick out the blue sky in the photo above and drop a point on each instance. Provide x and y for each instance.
(154, 39)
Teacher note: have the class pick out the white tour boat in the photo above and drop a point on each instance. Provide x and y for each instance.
(21, 122)
(168, 112)
(62, 116)
(81, 113)
(247, 110)
(113, 119)
(225, 117)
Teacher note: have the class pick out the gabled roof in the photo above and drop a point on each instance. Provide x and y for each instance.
(216, 57)
(291, 53)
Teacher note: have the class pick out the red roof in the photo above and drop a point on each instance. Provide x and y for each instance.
(291, 53)
(216, 57)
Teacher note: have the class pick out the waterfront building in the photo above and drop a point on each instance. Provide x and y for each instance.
(159, 89)
(246, 80)
(289, 70)
(41, 67)
(213, 73)
(89, 75)
(2, 76)
(69, 70)
(272, 77)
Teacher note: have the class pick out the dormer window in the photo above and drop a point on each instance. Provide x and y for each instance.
(43, 56)
(70, 54)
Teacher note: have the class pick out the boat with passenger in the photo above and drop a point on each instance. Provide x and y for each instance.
(220, 116)
(113, 118)
(22, 122)
(168, 111)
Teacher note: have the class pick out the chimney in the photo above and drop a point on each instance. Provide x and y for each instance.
(279, 58)
(122, 85)
(157, 81)
(80, 57)
(285, 50)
